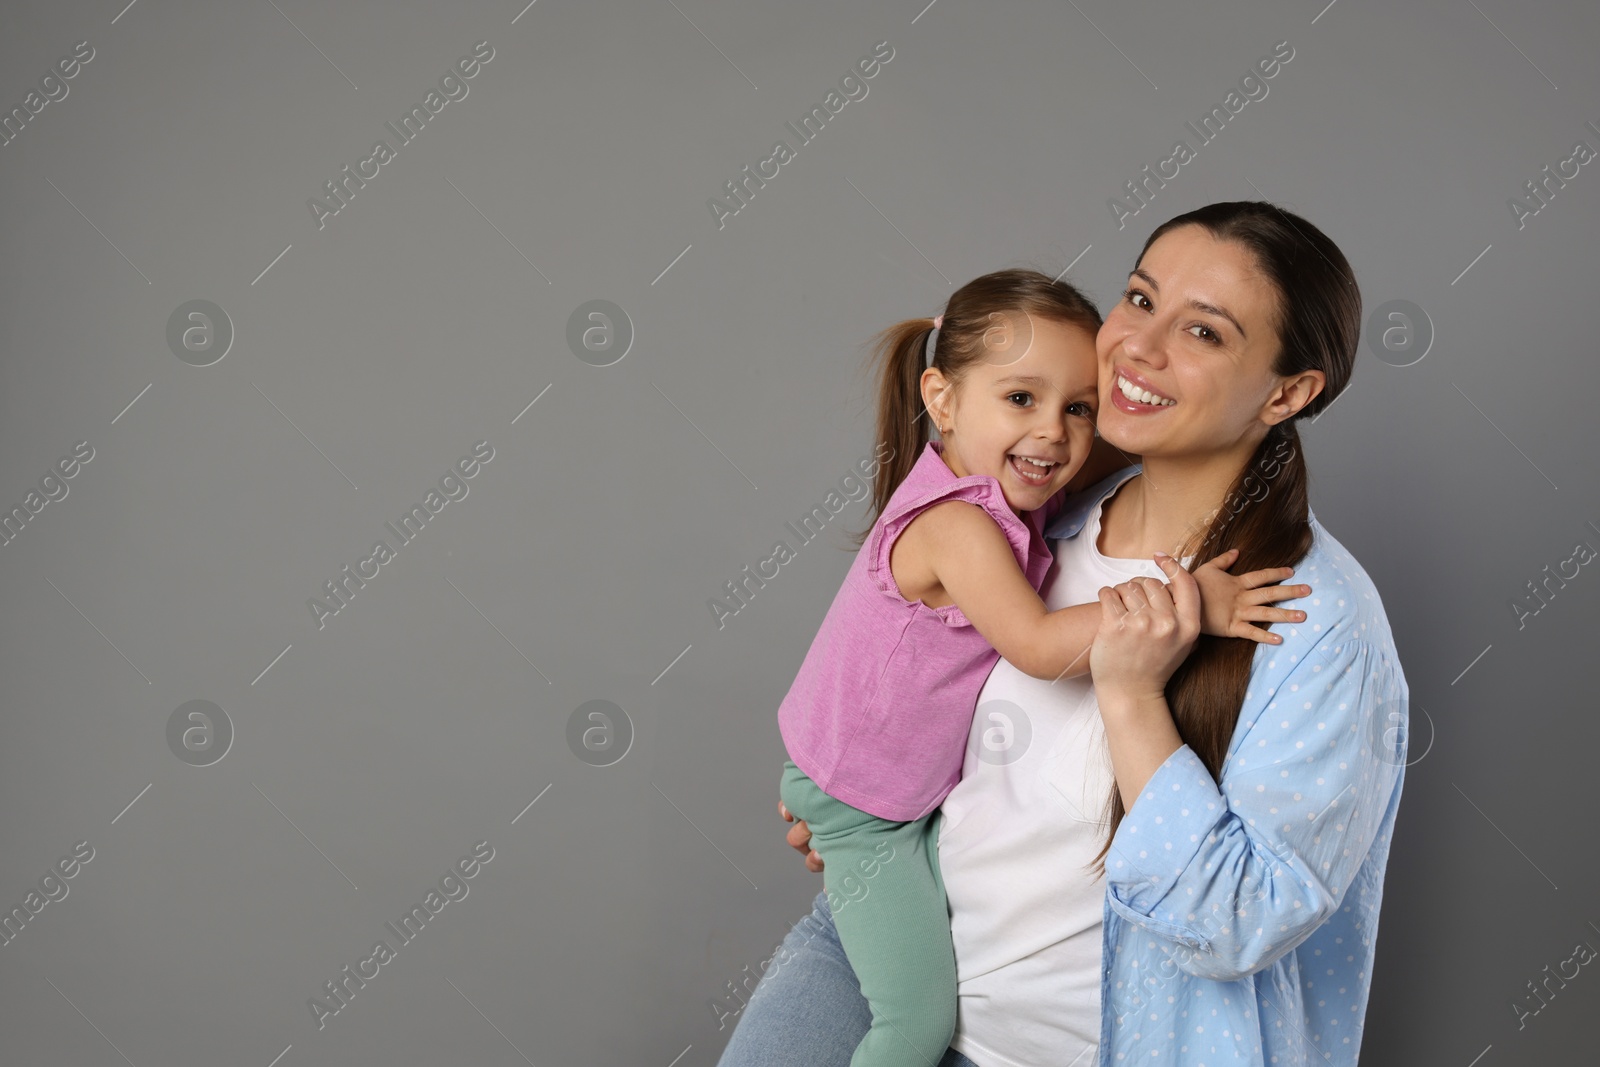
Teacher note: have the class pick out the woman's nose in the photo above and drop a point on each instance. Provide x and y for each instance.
(1143, 342)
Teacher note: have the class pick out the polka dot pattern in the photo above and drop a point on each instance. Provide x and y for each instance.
(1241, 919)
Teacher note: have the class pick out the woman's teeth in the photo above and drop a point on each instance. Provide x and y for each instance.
(1143, 396)
(1033, 471)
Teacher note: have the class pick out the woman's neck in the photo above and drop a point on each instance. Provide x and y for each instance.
(1165, 507)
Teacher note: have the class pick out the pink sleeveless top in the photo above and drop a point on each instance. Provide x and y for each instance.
(879, 712)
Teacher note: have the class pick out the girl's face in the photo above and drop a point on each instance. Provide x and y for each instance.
(1196, 328)
(1011, 409)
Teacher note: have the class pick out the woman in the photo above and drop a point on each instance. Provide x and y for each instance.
(1224, 908)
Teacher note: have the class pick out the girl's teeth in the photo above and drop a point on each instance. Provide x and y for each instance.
(1031, 469)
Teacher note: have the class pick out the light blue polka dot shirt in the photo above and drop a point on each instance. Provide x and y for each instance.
(1241, 920)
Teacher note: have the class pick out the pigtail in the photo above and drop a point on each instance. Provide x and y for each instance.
(902, 430)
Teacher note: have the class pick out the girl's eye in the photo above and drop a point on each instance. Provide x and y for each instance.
(1083, 409)
(1025, 395)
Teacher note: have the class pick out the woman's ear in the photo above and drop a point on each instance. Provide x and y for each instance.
(1296, 392)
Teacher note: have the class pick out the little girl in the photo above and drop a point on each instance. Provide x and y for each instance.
(876, 722)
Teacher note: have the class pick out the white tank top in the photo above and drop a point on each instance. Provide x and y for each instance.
(1016, 838)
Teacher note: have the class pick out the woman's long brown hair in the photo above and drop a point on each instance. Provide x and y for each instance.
(1266, 511)
(969, 317)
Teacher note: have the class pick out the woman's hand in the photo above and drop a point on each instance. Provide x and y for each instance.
(799, 838)
(1147, 628)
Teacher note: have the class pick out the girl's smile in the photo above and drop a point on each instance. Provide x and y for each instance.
(1027, 421)
(1033, 470)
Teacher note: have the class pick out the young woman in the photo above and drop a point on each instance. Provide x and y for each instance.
(1182, 864)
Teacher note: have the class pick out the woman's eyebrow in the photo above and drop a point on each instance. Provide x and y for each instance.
(1198, 305)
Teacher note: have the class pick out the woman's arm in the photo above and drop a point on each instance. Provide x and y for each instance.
(1239, 874)
(1273, 850)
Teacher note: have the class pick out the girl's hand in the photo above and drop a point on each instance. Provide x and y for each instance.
(799, 838)
(1147, 628)
(1228, 604)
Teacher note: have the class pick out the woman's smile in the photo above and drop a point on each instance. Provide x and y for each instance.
(1136, 395)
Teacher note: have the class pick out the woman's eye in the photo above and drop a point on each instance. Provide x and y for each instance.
(1133, 296)
(1210, 334)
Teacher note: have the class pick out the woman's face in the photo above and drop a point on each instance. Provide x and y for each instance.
(1196, 329)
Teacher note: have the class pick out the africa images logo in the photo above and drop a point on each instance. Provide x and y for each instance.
(450, 86)
(738, 190)
(851, 490)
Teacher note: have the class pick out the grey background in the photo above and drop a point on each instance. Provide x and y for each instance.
(374, 352)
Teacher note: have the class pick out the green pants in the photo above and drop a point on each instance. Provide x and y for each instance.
(887, 897)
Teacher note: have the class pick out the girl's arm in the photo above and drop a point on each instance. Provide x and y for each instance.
(970, 557)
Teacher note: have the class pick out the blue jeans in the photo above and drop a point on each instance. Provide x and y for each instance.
(807, 1010)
